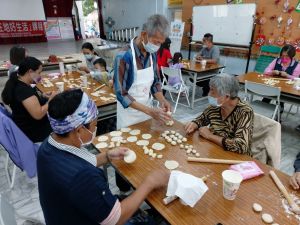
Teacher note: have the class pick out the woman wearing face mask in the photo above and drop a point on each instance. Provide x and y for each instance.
(90, 57)
(72, 187)
(29, 108)
(228, 121)
(285, 66)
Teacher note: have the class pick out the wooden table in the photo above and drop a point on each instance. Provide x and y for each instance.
(212, 208)
(288, 93)
(93, 84)
(198, 73)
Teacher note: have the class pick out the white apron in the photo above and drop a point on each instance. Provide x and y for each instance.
(140, 91)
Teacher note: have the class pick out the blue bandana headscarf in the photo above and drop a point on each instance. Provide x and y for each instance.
(85, 113)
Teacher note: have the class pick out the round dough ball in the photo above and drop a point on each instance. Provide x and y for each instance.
(257, 207)
(132, 139)
(125, 129)
(197, 154)
(175, 138)
(163, 135)
(159, 156)
(189, 151)
(102, 138)
(171, 164)
(184, 139)
(158, 146)
(173, 142)
(177, 134)
(181, 146)
(180, 136)
(146, 136)
(267, 218)
(186, 147)
(179, 141)
(101, 145)
(167, 132)
(173, 132)
(194, 151)
(172, 136)
(135, 132)
(115, 133)
(169, 140)
(130, 156)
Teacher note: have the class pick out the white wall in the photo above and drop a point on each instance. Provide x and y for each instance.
(22, 10)
(132, 13)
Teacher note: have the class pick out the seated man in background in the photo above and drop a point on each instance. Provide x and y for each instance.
(295, 179)
(228, 121)
(209, 51)
(211, 54)
(72, 189)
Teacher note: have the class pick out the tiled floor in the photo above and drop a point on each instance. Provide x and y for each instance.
(24, 195)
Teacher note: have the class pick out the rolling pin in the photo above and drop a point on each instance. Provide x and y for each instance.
(168, 200)
(295, 208)
(98, 88)
(208, 160)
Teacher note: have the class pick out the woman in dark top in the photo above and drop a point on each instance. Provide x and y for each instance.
(29, 108)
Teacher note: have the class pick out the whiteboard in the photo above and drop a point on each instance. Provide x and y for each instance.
(22, 10)
(229, 24)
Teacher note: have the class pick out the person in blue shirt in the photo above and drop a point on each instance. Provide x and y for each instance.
(72, 189)
(136, 77)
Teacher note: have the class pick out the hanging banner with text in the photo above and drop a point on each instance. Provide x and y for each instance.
(10, 28)
(177, 28)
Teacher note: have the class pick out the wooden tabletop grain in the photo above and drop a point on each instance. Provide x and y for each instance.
(259, 78)
(74, 78)
(195, 66)
(212, 207)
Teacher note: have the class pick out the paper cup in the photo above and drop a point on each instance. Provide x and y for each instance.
(69, 69)
(203, 63)
(231, 183)
(297, 83)
(60, 86)
(61, 68)
(83, 80)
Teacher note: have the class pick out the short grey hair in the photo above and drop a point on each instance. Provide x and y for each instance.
(225, 84)
(157, 23)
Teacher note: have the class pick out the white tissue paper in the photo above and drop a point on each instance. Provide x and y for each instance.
(187, 187)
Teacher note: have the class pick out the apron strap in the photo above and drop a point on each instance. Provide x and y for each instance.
(134, 58)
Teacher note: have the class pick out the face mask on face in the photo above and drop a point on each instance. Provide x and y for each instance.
(213, 101)
(93, 137)
(285, 60)
(36, 77)
(150, 47)
(88, 56)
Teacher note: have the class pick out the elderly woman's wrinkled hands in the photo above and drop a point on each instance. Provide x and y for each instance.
(190, 127)
(205, 132)
(117, 153)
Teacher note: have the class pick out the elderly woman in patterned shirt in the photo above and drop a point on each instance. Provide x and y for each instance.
(228, 121)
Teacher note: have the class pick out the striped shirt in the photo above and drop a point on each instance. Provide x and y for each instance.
(236, 129)
(124, 73)
(80, 152)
